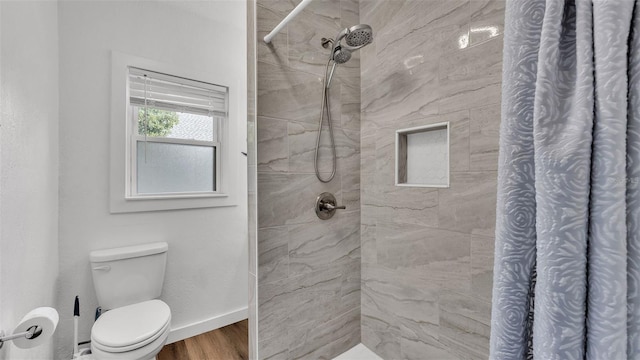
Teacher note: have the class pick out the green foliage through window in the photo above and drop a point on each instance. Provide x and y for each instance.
(159, 122)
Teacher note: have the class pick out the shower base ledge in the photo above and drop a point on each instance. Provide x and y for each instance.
(358, 352)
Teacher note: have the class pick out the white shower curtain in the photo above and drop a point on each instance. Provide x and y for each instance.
(567, 266)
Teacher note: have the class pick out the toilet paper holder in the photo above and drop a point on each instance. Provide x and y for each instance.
(31, 333)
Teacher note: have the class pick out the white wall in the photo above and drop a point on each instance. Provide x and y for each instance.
(28, 165)
(207, 263)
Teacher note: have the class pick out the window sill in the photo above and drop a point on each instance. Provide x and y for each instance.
(169, 197)
(162, 203)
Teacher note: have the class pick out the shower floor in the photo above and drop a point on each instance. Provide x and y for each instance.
(358, 352)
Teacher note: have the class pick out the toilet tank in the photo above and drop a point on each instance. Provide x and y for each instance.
(128, 275)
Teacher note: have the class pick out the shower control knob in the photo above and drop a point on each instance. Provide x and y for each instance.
(329, 206)
(326, 206)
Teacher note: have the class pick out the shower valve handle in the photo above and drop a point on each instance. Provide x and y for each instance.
(326, 206)
(329, 206)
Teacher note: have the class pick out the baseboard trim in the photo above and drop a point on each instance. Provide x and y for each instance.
(199, 327)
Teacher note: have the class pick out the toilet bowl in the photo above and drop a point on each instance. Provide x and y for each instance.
(133, 332)
(128, 281)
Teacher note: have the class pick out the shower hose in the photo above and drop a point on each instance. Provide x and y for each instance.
(326, 105)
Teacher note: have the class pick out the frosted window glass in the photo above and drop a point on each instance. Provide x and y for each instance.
(170, 168)
(428, 157)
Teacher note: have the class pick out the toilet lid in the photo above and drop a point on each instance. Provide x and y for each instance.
(132, 326)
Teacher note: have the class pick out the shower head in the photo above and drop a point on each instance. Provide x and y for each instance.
(355, 37)
(340, 55)
(359, 35)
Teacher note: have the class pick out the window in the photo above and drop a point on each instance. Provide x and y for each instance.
(174, 127)
(177, 135)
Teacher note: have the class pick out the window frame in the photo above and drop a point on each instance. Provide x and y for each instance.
(228, 153)
(132, 191)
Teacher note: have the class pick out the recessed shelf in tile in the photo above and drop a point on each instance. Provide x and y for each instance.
(422, 156)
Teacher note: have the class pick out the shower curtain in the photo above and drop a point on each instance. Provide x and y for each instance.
(567, 266)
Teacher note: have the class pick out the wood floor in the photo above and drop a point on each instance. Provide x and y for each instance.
(227, 343)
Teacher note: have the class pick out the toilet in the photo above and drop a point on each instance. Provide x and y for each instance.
(134, 324)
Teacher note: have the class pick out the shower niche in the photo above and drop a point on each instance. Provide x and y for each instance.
(422, 156)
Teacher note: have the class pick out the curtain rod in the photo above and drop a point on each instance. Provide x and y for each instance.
(284, 22)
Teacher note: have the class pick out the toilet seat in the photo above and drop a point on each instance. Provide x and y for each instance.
(131, 327)
(146, 352)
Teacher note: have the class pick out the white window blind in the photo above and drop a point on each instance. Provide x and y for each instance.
(172, 93)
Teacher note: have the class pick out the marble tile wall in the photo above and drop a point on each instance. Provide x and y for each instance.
(427, 254)
(308, 270)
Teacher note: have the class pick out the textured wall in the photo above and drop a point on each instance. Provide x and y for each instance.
(427, 253)
(308, 269)
(28, 165)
